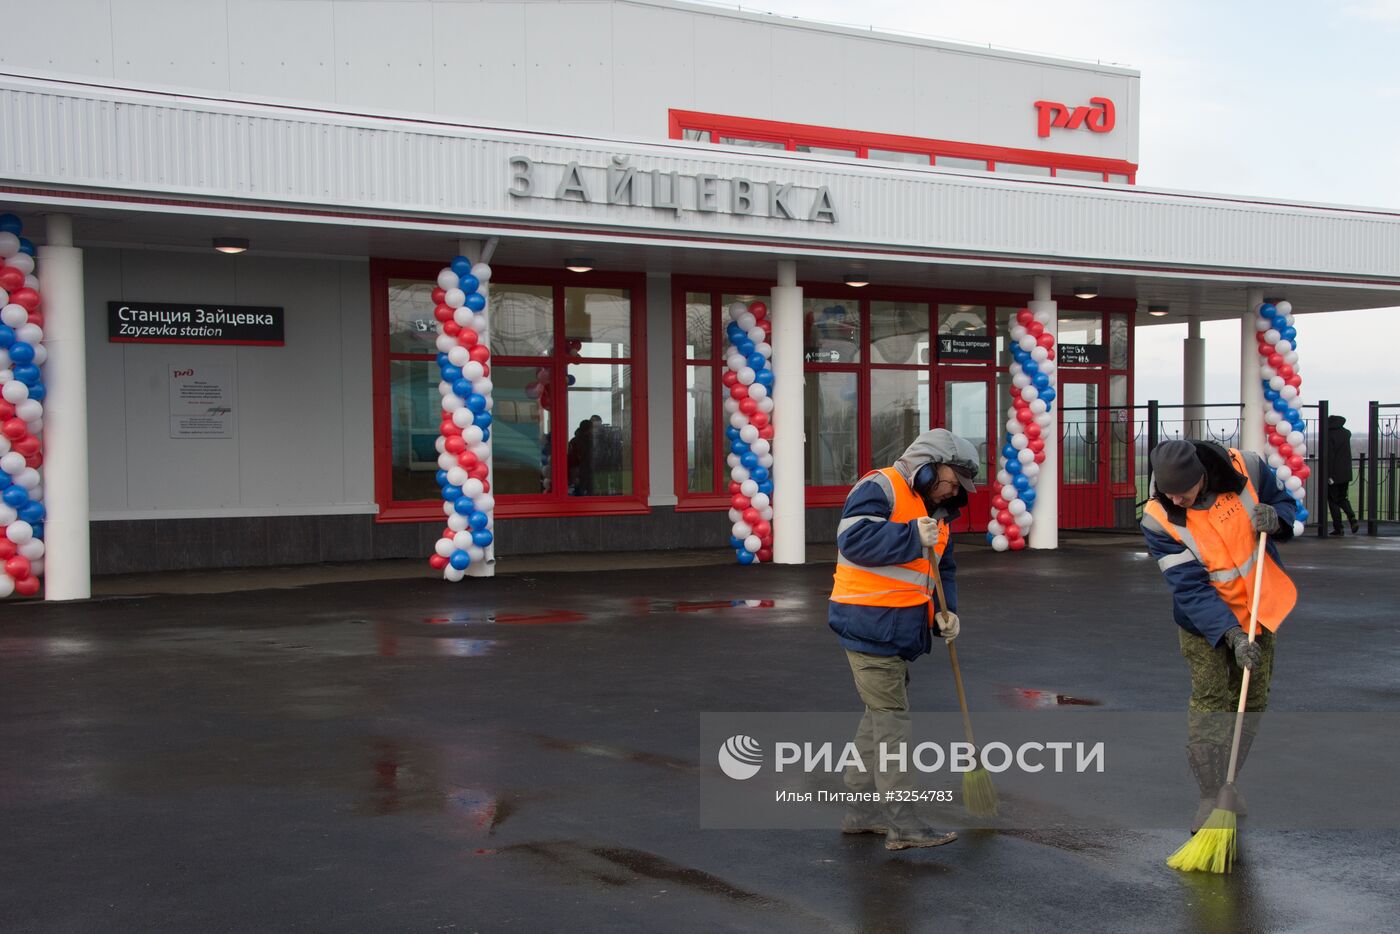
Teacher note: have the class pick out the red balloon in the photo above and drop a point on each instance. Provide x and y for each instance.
(34, 460)
(455, 444)
(17, 567)
(477, 471)
(7, 411)
(998, 503)
(451, 328)
(740, 502)
(13, 429)
(1033, 431)
(11, 279)
(36, 317)
(1303, 472)
(1006, 518)
(762, 529)
(443, 313)
(1285, 371)
(1024, 416)
(1275, 438)
(480, 353)
(1046, 340)
(7, 549)
(1036, 444)
(764, 555)
(759, 420)
(1285, 450)
(448, 428)
(467, 460)
(467, 337)
(758, 309)
(766, 325)
(1016, 544)
(734, 488)
(27, 587)
(730, 378)
(738, 390)
(1295, 463)
(485, 367)
(766, 432)
(1275, 359)
(1035, 329)
(28, 445)
(28, 298)
(749, 407)
(438, 562)
(1013, 532)
(1295, 381)
(751, 516)
(1024, 317)
(439, 295)
(1040, 457)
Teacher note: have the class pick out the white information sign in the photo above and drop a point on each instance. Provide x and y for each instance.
(201, 402)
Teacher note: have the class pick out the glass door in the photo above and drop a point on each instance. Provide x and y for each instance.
(1084, 486)
(964, 408)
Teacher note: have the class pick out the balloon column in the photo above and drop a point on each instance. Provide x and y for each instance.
(749, 408)
(1023, 451)
(1283, 424)
(464, 445)
(22, 354)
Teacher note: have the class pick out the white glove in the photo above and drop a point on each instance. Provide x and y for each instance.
(948, 624)
(928, 531)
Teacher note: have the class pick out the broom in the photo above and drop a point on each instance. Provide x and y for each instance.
(979, 794)
(1213, 848)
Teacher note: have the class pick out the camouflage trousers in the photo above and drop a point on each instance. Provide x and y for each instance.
(1215, 687)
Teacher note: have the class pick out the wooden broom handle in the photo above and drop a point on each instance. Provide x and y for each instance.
(952, 652)
(1259, 556)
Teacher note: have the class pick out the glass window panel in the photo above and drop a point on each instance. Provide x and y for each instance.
(522, 320)
(520, 429)
(832, 330)
(1018, 168)
(1117, 179)
(1079, 174)
(700, 438)
(957, 162)
(894, 155)
(698, 326)
(1118, 342)
(899, 333)
(1078, 327)
(962, 319)
(824, 151)
(831, 429)
(696, 136)
(899, 412)
(754, 143)
(600, 441)
(416, 411)
(1121, 430)
(1005, 317)
(598, 321)
(965, 415)
(1079, 426)
(412, 326)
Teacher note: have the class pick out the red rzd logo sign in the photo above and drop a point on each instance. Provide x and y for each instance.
(1098, 116)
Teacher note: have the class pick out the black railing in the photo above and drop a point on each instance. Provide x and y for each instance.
(1380, 497)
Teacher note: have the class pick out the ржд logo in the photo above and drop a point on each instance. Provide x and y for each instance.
(1099, 117)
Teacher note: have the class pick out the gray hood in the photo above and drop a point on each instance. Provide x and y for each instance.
(940, 446)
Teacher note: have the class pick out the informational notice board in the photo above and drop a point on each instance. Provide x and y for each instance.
(201, 401)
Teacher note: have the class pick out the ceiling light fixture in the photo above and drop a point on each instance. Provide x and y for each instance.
(1086, 291)
(578, 265)
(857, 281)
(231, 244)
(1157, 311)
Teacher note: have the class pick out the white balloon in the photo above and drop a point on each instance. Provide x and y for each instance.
(444, 547)
(452, 402)
(471, 370)
(735, 362)
(742, 529)
(1275, 461)
(731, 406)
(1018, 332)
(446, 461)
(14, 391)
(473, 488)
(463, 316)
(1267, 372)
(30, 334)
(444, 388)
(1044, 317)
(749, 488)
(759, 501)
(747, 375)
(756, 335)
(1031, 471)
(481, 272)
(1020, 380)
(1029, 393)
(7, 583)
(1290, 357)
(1301, 449)
(738, 474)
(1284, 308)
(12, 463)
(455, 297)
(1039, 406)
(1272, 417)
(441, 444)
(483, 386)
(1003, 478)
(473, 434)
(1276, 382)
(1028, 343)
(752, 543)
(735, 516)
(445, 343)
(1272, 335)
(19, 531)
(1016, 507)
(31, 282)
(36, 567)
(453, 574)
(9, 244)
(1000, 543)
(748, 434)
(1289, 392)
(746, 321)
(765, 461)
(732, 460)
(14, 315)
(765, 512)
(475, 552)
(758, 392)
(463, 417)
(736, 309)
(738, 420)
(995, 527)
(29, 410)
(1040, 354)
(761, 447)
(457, 522)
(484, 503)
(23, 262)
(447, 508)
(764, 348)
(1295, 438)
(458, 355)
(1284, 473)
(1043, 419)
(1294, 484)
(478, 324)
(7, 515)
(1009, 493)
(32, 549)
(462, 540)
(457, 476)
(1013, 425)
(1262, 323)
(766, 405)
(5, 362)
(1283, 346)
(1025, 456)
(37, 494)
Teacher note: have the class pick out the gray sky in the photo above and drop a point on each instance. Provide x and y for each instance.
(1292, 99)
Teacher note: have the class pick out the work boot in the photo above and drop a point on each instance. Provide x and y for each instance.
(907, 830)
(1207, 761)
(1355, 527)
(864, 819)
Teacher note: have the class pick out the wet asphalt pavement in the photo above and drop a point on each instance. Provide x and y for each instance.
(522, 754)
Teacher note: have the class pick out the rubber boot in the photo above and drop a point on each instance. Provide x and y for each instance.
(907, 830)
(1207, 761)
(867, 818)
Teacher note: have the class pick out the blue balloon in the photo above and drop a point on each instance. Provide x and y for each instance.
(15, 496)
(1289, 334)
(26, 246)
(765, 376)
(989, 538)
(757, 361)
(461, 266)
(766, 488)
(26, 373)
(1267, 310)
(1299, 425)
(452, 373)
(478, 520)
(1271, 395)
(749, 460)
(463, 506)
(482, 537)
(1302, 514)
(7, 335)
(1279, 322)
(32, 513)
(486, 434)
(739, 447)
(442, 360)
(736, 543)
(441, 477)
(744, 346)
(734, 333)
(745, 556)
(5, 480)
(1293, 417)
(475, 301)
(1013, 467)
(9, 223)
(1009, 452)
(1280, 404)
(476, 402)
(20, 352)
(731, 433)
(462, 387)
(570, 380)
(38, 530)
(1028, 497)
(482, 420)
(759, 474)
(468, 283)
(38, 391)
(460, 560)
(1030, 367)
(451, 493)
(1021, 482)
(1041, 381)
(1048, 394)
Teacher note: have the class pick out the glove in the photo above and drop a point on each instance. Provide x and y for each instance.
(928, 531)
(1264, 519)
(948, 624)
(1247, 654)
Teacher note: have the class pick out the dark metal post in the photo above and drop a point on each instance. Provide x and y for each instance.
(1322, 486)
(1373, 451)
(1361, 485)
(1391, 489)
(1153, 426)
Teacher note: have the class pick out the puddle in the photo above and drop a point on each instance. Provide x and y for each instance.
(614, 752)
(1027, 699)
(621, 866)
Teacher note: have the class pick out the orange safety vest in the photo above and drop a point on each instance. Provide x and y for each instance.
(1223, 541)
(895, 584)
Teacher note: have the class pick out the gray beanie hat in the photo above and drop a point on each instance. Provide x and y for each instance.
(1175, 466)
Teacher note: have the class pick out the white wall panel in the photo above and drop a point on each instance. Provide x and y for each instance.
(106, 383)
(945, 96)
(282, 50)
(568, 80)
(733, 68)
(808, 76)
(183, 43)
(653, 68)
(384, 55)
(877, 89)
(479, 63)
(356, 384)
(66, 36)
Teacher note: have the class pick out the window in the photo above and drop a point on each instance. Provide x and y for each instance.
(1021, 169)
(891, 155)
(753, 143)
(827, 151)
(955, 162)
(1076, 173)
(568, 411)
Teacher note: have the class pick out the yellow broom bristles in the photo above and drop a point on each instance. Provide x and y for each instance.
(1212, 849)
(979, 794)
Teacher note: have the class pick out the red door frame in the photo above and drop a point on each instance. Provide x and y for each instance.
(1087, 505)
(979, 503)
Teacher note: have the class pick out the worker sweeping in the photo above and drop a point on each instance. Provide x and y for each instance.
(1208, 509)
(882, 610)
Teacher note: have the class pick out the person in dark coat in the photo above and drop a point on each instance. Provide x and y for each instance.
(1339, 474)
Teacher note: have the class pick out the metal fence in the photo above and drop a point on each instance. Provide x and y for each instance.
(1379, 486)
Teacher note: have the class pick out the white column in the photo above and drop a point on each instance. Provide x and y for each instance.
(1193, 378)
(479, 251)
(661, 446)
(1045, 530)
(789, 482)
(67, 560)
(1251, 390)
